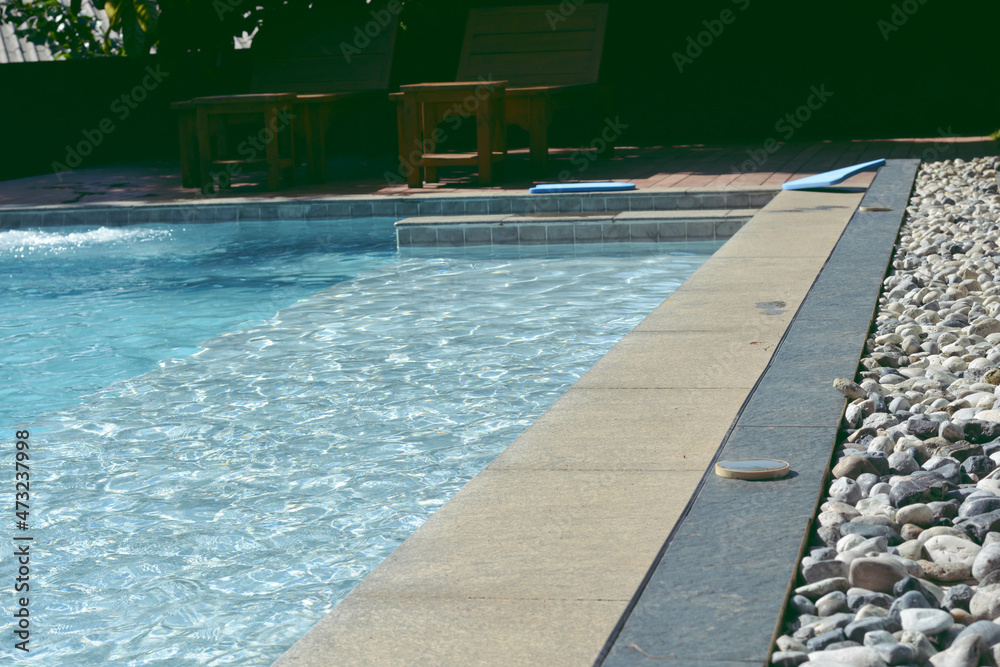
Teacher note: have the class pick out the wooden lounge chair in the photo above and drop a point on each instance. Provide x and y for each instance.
(312, 81)
(550, 57)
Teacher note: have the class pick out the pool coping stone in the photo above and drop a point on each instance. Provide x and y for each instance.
(749, 556)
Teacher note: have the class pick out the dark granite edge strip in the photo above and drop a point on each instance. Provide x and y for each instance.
(327, 208)
(885, 187)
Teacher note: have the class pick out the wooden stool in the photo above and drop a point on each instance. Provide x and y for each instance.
(422, 106)
(210, 123)
(312, 113)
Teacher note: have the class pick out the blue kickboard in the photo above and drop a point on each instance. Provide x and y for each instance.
(828, 178)
(556, 188)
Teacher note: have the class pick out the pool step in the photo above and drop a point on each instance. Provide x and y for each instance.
(541, 228)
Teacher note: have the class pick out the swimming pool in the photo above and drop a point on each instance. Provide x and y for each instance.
(288, 402)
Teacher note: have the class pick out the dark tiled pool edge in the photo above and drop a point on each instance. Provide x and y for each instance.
(717, 592)
(641, 226)
(337, 208)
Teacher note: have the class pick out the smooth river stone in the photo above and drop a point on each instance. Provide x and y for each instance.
(845, 490)
(947, 573)
(964, 652)
(988, 630)
(945, 549)
(855, 656)
(960, 450)
(978, 526)
(876, 574)
(895, 654)
(942, 530)
(958, 597)
(986, 561)
(854, 466)
(989, 415)
(920, 642)
(912, 549)
(984, 327)
(824, 569)
(788, 658)
(869, 530)
(849, 389)
(927, 621)
(821, 588)
(985, 603)
(918, 514)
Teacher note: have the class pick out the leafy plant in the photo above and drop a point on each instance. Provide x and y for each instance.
(64, 29)
(68, 32)
(136, 20)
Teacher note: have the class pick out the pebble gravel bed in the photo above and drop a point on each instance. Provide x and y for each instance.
(905, 563)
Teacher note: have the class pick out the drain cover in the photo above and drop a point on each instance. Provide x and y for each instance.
(752, 468)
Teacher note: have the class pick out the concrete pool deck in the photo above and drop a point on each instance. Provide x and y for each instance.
(545, 556)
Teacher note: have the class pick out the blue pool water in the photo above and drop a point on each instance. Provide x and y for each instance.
(232, 424)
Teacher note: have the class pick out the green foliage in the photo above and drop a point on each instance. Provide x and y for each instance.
(136, 20)
(70, 34)
(66, 32)
(186, 25)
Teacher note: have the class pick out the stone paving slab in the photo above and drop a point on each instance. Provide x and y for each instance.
(575, 511)
(717, 592)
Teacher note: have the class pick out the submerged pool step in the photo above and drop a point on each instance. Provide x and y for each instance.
(538, 229)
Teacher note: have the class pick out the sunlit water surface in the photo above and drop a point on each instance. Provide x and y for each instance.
(232, 424)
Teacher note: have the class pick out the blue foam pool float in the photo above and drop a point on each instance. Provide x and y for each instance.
(558, 188)
(828, 178)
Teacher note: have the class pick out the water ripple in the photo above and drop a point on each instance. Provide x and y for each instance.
(212, 510)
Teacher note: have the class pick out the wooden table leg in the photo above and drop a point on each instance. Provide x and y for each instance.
(401, 138)
(429, 124)
(204, 151)
(273, 166)
(500, 134)
(314, 119)
(606, 107)
(305, 112)
(411, 140)
(289, 132)
(484, 140)
(538, 137)
(190, 174)
(322, 121)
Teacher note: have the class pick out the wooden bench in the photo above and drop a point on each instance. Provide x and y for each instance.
(424, 103)
(313, 78)
(550, 57)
